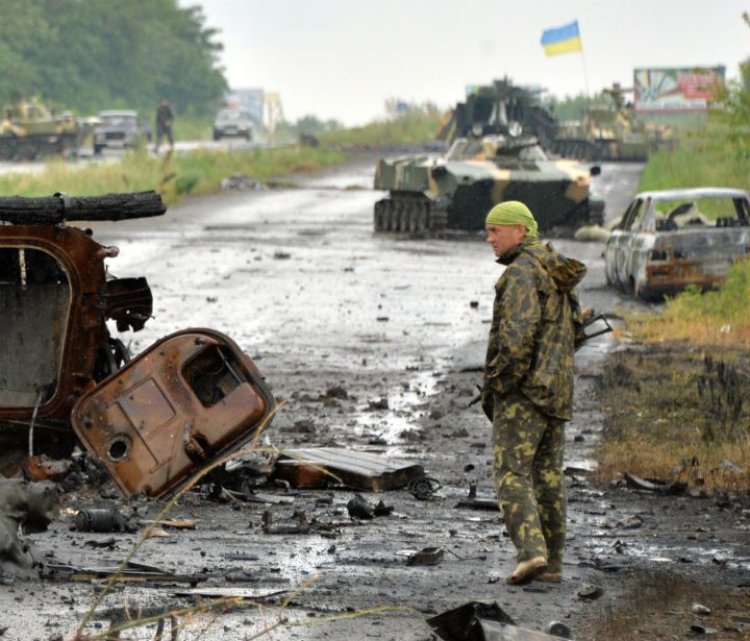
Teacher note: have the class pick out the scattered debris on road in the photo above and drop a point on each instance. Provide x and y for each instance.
(324, 466)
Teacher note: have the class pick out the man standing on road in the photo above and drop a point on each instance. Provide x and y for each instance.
(528, 386)
(164, 118)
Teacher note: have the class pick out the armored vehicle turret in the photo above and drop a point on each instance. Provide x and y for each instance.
(489, 109)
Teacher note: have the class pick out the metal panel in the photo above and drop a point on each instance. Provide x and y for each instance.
(188, 399)
(318, 467)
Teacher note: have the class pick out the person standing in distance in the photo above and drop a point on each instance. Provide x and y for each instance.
(528, 386)
(164, 119)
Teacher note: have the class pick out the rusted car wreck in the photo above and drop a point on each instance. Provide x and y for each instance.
(64, 378)
(670, 239)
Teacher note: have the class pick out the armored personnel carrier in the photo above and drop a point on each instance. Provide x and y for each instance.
(611, 132)
(28, 130)
(497, 153)
(430, 195)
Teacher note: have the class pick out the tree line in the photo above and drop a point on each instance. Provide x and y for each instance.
(88, 55)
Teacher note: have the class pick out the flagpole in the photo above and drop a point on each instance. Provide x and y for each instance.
(583, 60)
(585, 74)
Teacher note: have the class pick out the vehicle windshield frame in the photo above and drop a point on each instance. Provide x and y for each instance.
(125, 121)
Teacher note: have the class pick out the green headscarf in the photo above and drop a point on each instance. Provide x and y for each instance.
(513, 212)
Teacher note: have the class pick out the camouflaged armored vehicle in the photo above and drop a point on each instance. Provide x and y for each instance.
(429, 195)
(28, 130)
(611, 132)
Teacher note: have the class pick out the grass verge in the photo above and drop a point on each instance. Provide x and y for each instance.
(410, 128)
(663, 605)
(679, 410)
(705, 157)
(174, 176)
(718, 318)
(677, 413)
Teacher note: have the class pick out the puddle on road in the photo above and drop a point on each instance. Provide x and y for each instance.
(665, 553)
(303, 557)
(403, 413)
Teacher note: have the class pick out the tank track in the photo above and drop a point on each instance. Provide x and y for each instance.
(418, 216)
(583, 150)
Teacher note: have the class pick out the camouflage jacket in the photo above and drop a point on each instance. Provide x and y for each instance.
(536, 316)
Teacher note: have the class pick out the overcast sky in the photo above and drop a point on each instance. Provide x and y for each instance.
(343, 59)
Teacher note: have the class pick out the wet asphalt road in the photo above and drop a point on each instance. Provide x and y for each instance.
(300, 281)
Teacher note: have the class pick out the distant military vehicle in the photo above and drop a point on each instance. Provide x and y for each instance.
(29, 130)
(611, 132)
(433, 194)
(497, 153)
(488, 109)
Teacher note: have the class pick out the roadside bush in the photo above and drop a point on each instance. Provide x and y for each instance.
(186, 183)
(723, 391)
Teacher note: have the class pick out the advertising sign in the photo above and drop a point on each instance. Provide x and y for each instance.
(676, 89)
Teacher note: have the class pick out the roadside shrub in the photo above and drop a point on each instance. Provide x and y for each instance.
(722, 390)
(186, 183)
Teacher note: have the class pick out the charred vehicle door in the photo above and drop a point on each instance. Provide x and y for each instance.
(618, 259)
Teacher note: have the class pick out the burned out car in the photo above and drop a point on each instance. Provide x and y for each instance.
(120, 129)
(152, 420)
(670, 239)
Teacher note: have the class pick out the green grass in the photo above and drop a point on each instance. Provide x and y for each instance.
(704, 158)
(411, 128)
(713, 156)
(174, 176)
(719, 318)
(193, 128)
(654, 423)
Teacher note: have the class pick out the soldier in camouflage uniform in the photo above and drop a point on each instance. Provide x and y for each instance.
(528, 386)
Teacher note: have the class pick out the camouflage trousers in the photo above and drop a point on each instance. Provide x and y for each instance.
(528, 449)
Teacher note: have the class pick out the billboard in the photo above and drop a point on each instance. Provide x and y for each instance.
(674, 89)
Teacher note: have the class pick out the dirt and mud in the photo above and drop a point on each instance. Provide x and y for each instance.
(373, 344)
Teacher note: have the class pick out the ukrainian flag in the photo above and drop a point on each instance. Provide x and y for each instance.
(565, 39)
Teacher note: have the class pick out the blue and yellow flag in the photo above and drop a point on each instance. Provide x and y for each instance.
(565, 39)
